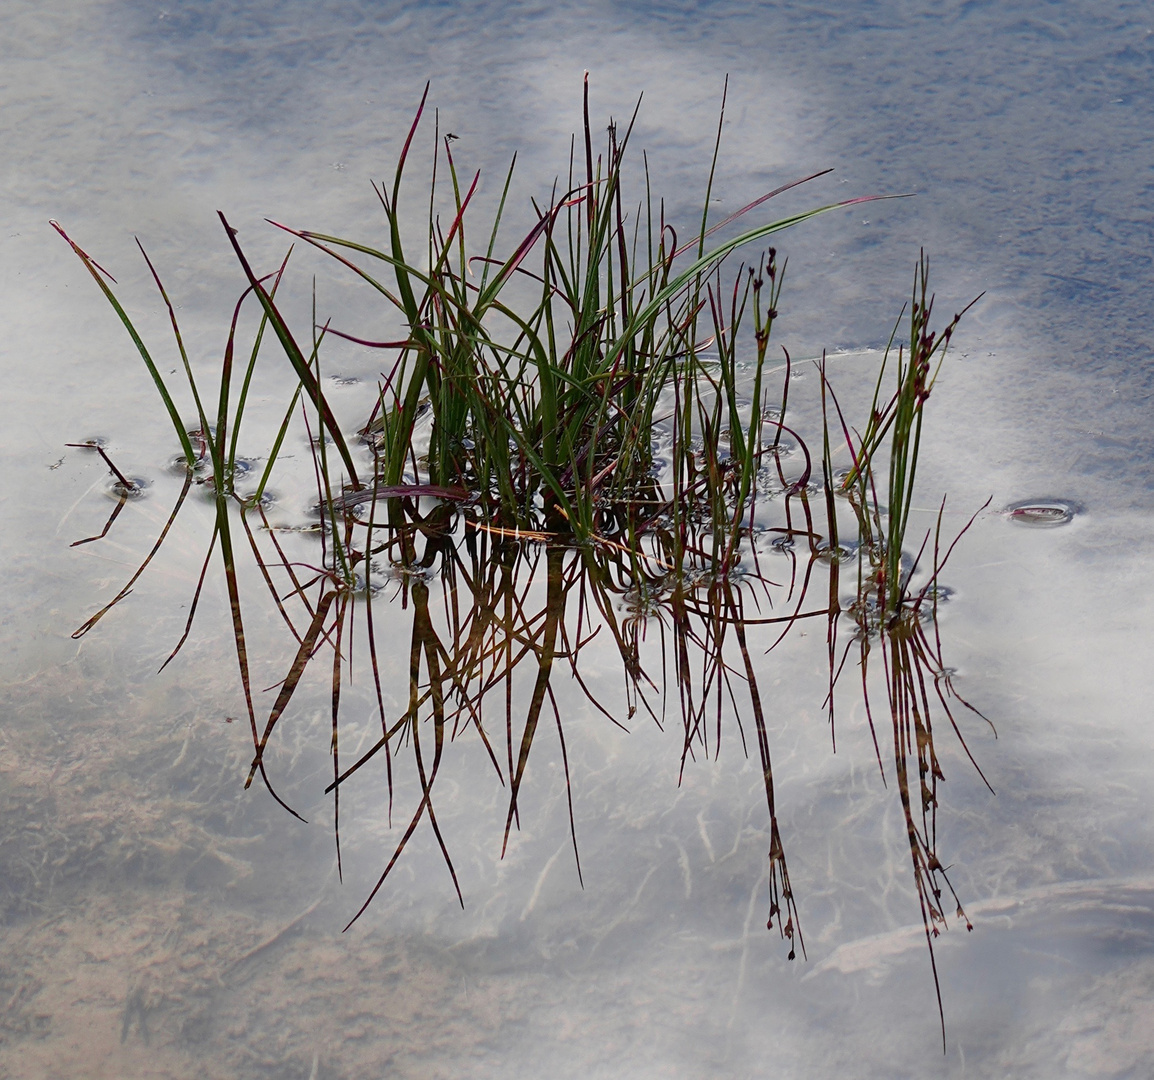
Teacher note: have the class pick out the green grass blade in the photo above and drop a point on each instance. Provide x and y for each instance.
(162, 389)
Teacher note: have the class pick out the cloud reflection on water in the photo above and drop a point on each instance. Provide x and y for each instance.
(1027, 132)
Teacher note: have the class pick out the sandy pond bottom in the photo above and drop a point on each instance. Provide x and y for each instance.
(160, 922)
(112, 990)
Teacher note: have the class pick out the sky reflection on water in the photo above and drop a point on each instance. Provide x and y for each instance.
(1025, 129)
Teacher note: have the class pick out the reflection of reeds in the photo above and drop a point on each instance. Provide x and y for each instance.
(494, 620)
(595, 453)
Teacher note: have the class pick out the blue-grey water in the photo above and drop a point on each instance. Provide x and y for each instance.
(151, 910)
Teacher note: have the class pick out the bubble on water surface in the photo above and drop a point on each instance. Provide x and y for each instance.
(241, 468)
(178, 465)
(134, 489)
(1043, 513)
(842, 552)
(267, 499)
(939, 594)
(784, 447)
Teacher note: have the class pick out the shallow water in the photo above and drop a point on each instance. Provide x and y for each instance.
(160, 921)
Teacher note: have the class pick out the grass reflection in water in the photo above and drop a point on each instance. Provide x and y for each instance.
(603, 458)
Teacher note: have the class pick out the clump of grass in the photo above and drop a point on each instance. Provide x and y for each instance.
(545, 412)
(608, 435)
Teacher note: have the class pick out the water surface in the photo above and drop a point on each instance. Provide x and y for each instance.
(159, 921)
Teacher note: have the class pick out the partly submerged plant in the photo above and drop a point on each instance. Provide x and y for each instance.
(608, 435)
(888, 611)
